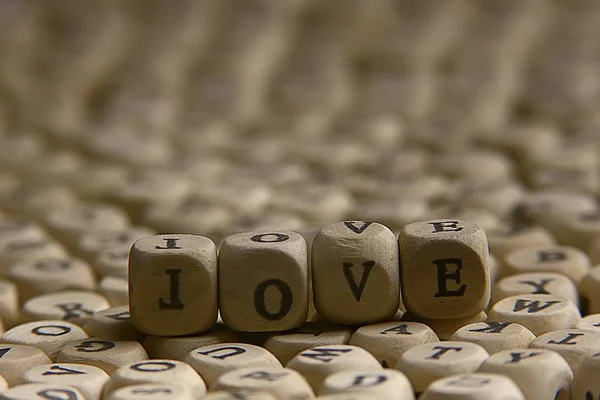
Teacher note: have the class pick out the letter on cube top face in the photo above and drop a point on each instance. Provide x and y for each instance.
(263, 281)
(444, 270)
(173, 284)
(473, 386)
(355, 273)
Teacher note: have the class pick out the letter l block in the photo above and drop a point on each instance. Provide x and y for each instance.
(444, 271)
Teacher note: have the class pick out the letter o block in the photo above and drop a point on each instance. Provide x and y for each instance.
(353, 264)
(173, 284)
(444, 269)
(474, 386)
(263, 281)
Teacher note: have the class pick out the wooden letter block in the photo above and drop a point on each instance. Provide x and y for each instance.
(540, 374)
(263, 281)
(173, 284)
(48, 336)
(282, 383)
(48, 275)
(474, 386)
(214, 360)
(318, 363)
(286, 345)
(102, 353)
(503, 242)
(178, 348)
(388, 340)
(444, 269)
(590, 322)
(113, 262)
(152, 391)
(112, 324)
(74, 306)
(569, 261)
(17, 359)
(157, 371)
(495, 336)
(572, 344)
(445, 328)
(89, 380)
(589, 289)
(41, 391)
(9, 303)
(353, 263)
(388, 384)
(427, 362)
(586, 384)
(535, 283)
(115, 289)
(540, 313)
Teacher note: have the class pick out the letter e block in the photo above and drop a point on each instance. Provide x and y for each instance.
(444, 269)
(173, 284)
(263, 281)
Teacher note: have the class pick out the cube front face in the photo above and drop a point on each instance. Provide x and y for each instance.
(173, 284)
(444, 269)
(263, 281)
(355, 273)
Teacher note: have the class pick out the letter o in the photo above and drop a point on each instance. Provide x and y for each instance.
(286, 299)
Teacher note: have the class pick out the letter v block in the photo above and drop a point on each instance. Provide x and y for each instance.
(444, 269)
(173, 284)
(355, 273)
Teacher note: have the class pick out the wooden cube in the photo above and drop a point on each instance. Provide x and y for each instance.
(572, 344)
(263, 281)
(113, 262)
(152, 391)
(388, 384)
(173, 284)
(115, 289)
(112, 324)
(585, 384)
(353, 263)
(106, 354)
(26, 249)
(49, 336)
(89, 380)
(214, 360)
(178, 348)
(48, 275)
(504, 241)
(286, 345)
(590, 322)
(91, 243)
(30, 391)
(445, 328)
(540, 374)
(427, 362)
(386, 341)
(17, 359)
(589, 288)
(535, 283)
(156, 371)
(540, 313)
(473, 386)
(444, 272)
(74, 306)
(318, 363)
(569, 261)
(9, 303)
(495, 336)
(68, 223)
(282, 383)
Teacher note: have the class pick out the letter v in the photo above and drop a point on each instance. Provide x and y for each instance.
(357, 290)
